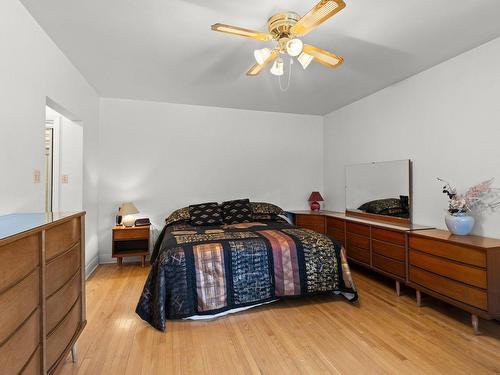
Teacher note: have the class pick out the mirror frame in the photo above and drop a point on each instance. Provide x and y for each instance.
(385, 218)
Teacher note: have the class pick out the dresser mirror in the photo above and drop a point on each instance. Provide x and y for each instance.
(380, 190)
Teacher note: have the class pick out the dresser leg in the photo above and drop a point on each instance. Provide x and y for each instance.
(419, 298)
(143, 261)
(398, 288)
(74, 353)
(475, 324)
(120, 259)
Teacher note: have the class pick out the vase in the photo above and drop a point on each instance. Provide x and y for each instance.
(460, 224)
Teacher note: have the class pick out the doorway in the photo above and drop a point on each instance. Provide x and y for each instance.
(63, 152)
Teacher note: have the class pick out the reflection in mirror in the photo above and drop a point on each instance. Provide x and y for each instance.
(382, 188)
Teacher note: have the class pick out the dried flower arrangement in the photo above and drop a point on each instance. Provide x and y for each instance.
(478, 198)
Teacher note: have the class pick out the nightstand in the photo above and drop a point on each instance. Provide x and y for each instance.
(129, 242)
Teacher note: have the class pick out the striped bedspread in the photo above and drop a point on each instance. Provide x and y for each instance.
(208, 270)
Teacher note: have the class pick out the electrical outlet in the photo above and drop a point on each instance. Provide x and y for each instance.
(36, 176)
(64, 179)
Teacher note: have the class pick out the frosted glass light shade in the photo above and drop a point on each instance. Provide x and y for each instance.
(261, 55)
(277, 68)
(294, 47)
(305, 59)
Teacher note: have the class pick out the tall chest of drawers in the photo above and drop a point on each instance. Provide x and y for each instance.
(42, 298)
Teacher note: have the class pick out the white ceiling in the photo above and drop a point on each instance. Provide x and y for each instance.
(164, 50)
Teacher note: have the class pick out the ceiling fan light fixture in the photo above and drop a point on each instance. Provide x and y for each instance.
(294, 47)
(304, 60)
(261, 55)
(277, 68)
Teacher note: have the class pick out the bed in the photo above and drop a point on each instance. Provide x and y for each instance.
(229, 265)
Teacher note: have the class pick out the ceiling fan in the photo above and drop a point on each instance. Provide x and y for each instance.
(285, 29)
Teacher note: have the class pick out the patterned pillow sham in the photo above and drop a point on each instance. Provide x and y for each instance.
(262, 208)
(182, 214)
(379, 205)
(205, 214)
(237, 211)
(264, 216)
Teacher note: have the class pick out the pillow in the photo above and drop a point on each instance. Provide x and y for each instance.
(257, 217)
(377, 206)
(365, 206)
(205, 214)
(182, 214)
(262, 208)
(405, 202)
(237, 211)
(394, 211)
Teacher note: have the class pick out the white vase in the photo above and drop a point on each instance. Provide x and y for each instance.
(460, 224)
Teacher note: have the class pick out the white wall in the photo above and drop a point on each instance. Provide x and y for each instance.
(165, 156)
(446, 119)
(32, 68)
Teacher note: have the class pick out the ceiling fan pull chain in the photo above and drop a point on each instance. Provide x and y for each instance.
(283, 89)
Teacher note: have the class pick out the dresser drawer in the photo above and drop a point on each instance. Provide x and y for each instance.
(361, 229)
(332, 222)
(456, 271)
(358, 241)
(339, 235)
(450, 288)
(358, 254)
(17, 303)
(131, 234)
(61, 237)
(313, 222)
(17, 350)
(388, 250)
(451, 251)
(391, 236)
(23, 256)
(62, 335)
(61, 269)
(389, 265)
(61, 301)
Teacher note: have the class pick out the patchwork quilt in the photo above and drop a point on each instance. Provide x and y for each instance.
(210, 269)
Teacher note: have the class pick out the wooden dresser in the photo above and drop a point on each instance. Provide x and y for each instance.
(373, 244)
(461, 270)
(42, 294)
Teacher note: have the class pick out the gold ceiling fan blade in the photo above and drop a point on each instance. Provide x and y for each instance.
(257, 68)
(241, 32)
(323, 57)
(324, 10)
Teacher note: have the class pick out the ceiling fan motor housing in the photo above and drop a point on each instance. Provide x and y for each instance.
(280, 24)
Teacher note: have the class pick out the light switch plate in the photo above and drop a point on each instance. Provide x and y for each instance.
(36, 176)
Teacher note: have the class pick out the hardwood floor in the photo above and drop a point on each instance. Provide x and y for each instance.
(383, 333)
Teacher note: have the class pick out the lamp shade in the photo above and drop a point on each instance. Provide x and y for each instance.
(128, 208)
(277, 68)
(294, 47)
(261, 55)
(315, 197)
